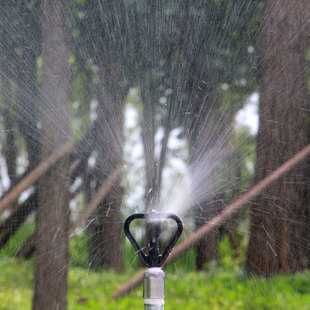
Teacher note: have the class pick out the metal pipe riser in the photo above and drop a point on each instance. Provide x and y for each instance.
(154, 277)
(154, 289)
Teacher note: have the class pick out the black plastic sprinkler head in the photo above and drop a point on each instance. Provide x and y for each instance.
(154, 276)
(154, 219)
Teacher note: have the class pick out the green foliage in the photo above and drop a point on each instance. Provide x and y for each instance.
(15, 284)
(224, 286)
(17, 240)
(78, 250)
(221, 285)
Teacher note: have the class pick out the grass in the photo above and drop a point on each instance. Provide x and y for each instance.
(220, 286)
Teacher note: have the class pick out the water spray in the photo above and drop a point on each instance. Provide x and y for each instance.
(154, 276)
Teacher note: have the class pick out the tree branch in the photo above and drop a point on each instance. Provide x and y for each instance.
(35, 174)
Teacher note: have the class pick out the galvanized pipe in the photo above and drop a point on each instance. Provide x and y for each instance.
(154, 289)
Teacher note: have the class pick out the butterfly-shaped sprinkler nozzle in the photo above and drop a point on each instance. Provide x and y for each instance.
(154, 276)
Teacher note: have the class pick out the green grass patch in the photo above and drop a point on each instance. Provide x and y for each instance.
(17, 239)
(223, 286)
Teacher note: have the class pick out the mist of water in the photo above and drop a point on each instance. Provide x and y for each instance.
(169, 57)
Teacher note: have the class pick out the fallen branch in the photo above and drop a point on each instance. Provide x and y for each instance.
(35, 174)
(214, 223)
(18, 212)
(17, 218)
(29, 246)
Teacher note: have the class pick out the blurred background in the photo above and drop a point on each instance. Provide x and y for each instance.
(109, 108)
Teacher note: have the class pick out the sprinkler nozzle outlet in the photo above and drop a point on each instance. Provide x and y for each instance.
(154, 221)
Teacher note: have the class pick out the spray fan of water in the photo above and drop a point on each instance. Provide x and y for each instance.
(110, 108)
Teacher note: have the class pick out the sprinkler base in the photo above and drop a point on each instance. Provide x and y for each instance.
(154, 289)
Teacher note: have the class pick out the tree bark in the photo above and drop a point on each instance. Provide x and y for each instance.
(279, 233)
(50, 287)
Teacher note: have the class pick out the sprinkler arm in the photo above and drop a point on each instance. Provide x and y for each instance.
(154, 259)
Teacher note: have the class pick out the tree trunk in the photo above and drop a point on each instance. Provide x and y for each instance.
(105, 245)
(279, 233)
(50, 288)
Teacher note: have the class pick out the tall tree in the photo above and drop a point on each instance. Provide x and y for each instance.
(279, 233)
(50, 287)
